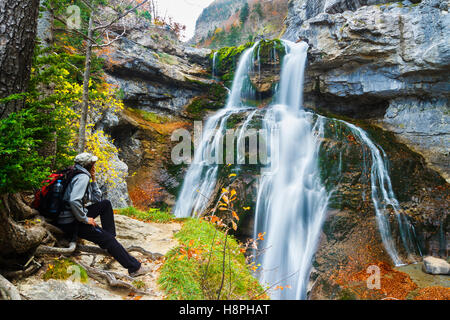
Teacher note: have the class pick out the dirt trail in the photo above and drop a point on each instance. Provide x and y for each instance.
(154, 237)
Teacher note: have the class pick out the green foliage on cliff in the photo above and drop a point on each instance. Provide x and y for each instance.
(269, 50)
(183, 274)
(226, 61)
(214, 99)
(227, 58)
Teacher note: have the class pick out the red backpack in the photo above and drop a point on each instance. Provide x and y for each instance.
(47, 200)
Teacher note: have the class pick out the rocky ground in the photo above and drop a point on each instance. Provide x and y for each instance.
(153, 237)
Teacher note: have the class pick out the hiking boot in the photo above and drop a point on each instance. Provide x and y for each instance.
(142, 271)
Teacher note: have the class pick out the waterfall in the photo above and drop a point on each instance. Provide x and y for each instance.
(214, 65)
(383, 197)
(201, 178)
(292, 200)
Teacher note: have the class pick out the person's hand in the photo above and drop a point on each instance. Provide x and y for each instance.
(92, 172)
(92, 222)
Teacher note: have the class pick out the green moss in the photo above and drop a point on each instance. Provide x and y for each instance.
(184, 278)
(227, 59)
(214, 99)
(64, 269)
(197, 107)
(267, 49)
(167, 58)
(150, 116)
(347, 294)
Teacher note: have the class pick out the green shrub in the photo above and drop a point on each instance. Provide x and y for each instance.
(153, 215)
(184, 276)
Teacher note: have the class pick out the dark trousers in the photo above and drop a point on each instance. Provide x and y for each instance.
(104, 237)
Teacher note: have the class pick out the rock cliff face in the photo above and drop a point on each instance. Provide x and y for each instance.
(164, 86)
(385, 62)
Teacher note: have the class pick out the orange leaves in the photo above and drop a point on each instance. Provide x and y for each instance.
(189, 251)
(282, 288)
(261, 236)
(235, 216)
(214, 219)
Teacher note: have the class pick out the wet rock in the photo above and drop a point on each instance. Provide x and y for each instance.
(434, 265)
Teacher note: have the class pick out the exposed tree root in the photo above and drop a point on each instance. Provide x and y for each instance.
(22, 273)
(41, 250)
(8, 290)
(111, 278)
(148, 254)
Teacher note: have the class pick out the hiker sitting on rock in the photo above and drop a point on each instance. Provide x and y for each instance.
(76, 220)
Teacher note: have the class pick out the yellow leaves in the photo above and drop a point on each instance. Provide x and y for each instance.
(232, 175)
(246, 208)
(233, 196)
(107, 173)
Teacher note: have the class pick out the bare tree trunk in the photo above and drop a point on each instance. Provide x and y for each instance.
(16, 238)
(87, 75)
(18, 25)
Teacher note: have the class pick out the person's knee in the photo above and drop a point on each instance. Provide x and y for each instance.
(106, 206)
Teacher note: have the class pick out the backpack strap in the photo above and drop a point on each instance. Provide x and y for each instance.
(73, 174)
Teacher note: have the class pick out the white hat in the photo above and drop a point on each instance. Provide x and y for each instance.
(85, 159)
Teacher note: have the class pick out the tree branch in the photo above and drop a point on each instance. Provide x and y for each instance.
(72, 30)
(120, 17)
(110, 42)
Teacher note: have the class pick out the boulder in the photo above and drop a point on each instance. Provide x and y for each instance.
(36, 289)
(433, 265)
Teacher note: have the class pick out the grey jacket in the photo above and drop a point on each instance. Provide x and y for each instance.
(79, 192)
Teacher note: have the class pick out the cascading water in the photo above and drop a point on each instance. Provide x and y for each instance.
(383, 197)
(214, 65)
(201, 177)
(292, 202)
